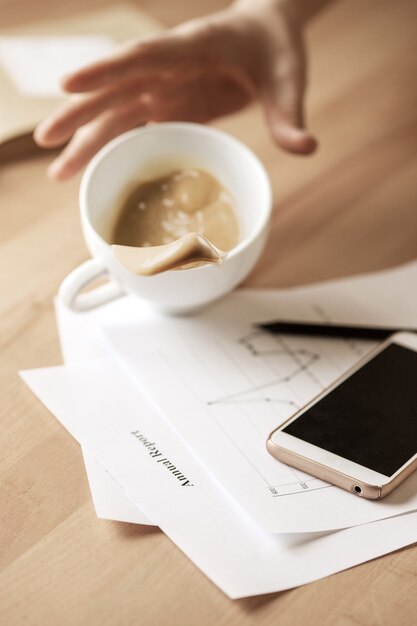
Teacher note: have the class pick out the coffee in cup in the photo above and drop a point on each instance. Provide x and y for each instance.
(164, 209)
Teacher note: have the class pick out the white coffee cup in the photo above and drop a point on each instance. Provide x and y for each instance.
(150, 152)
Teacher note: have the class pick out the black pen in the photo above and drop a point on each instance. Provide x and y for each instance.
(311, 329)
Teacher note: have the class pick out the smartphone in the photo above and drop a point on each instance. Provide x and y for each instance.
(361, 433)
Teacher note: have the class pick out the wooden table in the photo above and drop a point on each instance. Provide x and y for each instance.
(350, 209)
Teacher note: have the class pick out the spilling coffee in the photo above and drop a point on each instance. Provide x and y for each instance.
(162, 210)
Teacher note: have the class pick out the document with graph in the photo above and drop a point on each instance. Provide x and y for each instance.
(224, 385)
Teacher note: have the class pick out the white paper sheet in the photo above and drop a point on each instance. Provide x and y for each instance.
(224, 386)
(106, 492)
(140, 451)
(37, 64)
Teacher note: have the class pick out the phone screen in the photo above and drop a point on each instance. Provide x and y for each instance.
(371, 417)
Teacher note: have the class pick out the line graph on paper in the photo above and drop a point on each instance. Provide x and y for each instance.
(271, 391)
(280, 375)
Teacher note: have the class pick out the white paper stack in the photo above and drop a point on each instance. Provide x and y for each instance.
(173, 415)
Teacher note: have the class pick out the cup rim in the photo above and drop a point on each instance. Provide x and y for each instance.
(161, 127)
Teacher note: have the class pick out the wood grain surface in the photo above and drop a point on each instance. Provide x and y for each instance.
(349, 209)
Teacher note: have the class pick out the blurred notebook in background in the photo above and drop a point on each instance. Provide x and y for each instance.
(33, 57)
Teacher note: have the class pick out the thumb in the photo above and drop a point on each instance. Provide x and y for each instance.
(282, 96)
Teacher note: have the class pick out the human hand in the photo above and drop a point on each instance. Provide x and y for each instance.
(197, 71)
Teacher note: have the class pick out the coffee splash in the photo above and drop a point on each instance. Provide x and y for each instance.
(190, 250)
(187, 214)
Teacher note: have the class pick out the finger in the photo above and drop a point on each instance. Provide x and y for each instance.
(61, 125)
(90, 138)
(282, 96)
(154, 55)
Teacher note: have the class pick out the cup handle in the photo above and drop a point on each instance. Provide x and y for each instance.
(69, 291)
